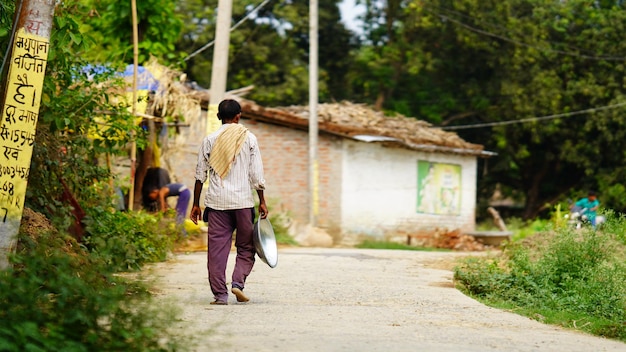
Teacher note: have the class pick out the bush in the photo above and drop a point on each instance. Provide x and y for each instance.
(57, 297)
(126, 241)
(566, 276)
(375, 244)
(278, 221)
(520, 228)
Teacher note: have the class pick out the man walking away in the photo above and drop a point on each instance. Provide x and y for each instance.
(232, 158)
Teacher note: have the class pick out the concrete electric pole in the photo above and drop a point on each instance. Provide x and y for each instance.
(219, 70)
(20, 111)
(313, 128)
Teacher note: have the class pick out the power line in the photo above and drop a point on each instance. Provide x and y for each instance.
(490, 24)
(517, 42)
(209, 44)
(532, 119)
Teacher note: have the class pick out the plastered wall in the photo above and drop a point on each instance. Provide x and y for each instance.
(380, 191)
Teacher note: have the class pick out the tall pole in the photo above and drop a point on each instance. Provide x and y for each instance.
(219, 70)
(313, 129)
(21, 100)
(133, 147)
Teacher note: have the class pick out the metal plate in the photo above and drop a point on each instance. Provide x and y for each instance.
(265, 242)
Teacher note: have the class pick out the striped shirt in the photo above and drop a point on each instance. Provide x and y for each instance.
(246, 173)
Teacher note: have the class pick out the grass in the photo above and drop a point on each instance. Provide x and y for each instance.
(575, 279)
(396, 245)
(520, 228)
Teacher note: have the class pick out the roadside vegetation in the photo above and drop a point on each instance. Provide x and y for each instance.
(396, 245)
(60, 295)
(560, 275)
(550, 272)
(67, 288)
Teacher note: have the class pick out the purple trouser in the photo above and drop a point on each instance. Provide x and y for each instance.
(181, 206)
(222, 223)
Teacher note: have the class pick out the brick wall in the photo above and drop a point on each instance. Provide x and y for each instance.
(285, 153)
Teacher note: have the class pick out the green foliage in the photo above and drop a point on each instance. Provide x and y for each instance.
(110, 23)
(615, 226)
(556, 70)
(59, 298)
(389, 69)
(566, 276)
(521, 228)
(395, 245)
(70, 116)
(270, 49)
(611, 189)
(6, 11)
(474, 62)
(127, 241)
(279, 221)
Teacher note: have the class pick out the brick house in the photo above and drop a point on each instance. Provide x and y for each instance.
(379, 177)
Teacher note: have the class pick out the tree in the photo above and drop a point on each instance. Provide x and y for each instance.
(110, 24)
(270, 50)
(467, 62)
(562, 67)
(65, 167)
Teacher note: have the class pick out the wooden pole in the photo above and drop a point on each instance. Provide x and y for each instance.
(497, 220)
(20, 111)
(133, 147)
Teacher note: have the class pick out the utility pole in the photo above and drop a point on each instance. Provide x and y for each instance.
(313, 128)
(21, 99)
(219, 70)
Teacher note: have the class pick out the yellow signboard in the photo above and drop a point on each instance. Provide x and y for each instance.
(17, 128)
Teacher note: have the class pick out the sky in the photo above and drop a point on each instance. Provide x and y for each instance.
(349, 12)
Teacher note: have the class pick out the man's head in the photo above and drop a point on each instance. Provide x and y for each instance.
(591, 196)
(228, 111)
(153, 194)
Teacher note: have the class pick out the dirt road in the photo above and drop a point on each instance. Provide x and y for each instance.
(354, 300)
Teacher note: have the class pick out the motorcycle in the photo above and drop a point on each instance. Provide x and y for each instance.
(578, 217)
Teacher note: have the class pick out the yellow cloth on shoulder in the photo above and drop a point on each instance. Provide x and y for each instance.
(226, 148)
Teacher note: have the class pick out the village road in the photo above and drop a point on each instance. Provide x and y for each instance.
(337, 299)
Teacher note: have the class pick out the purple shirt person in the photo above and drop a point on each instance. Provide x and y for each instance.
(173, 190)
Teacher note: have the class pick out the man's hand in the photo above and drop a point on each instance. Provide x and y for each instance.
(195, 214)
(263, 210)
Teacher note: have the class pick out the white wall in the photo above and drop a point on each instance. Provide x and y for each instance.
(379, 191)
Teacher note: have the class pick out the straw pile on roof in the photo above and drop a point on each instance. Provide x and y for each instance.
(355, 119)
(172, 97)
